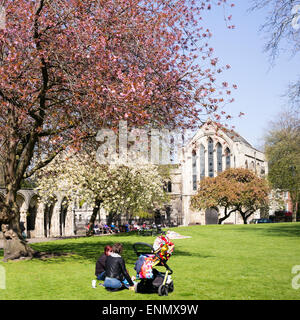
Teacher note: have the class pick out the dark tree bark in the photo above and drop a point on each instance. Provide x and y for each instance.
(19, 153)
(294, 198)
(226, 215)
(15, 246)
(245, 215)
(96, 208)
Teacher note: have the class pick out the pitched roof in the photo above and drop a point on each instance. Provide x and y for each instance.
(234, 136)
(237, 138)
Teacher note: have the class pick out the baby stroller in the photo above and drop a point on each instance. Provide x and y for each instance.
(151, 280)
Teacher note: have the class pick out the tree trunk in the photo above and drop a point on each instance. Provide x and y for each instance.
(226, 215)
(96, 208)
(294, 198)
(295, 209)
(245, 219)
(245, 216)
(15, 246)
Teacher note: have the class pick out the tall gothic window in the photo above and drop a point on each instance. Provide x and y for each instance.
(194, 169)
(202, 162)
(210, 154)
(219, 157)
(169, 188)
(227, 154)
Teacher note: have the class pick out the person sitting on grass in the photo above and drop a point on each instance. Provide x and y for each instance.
(126, 227)
(107, 229)
(117, 276)
(113, 227)
(96, 229)
(100, 264)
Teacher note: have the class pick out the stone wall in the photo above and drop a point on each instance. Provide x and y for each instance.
(33, 216)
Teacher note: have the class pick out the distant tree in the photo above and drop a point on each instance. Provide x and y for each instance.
(235, 190)
(214, 192)
(282, 147)
(282, 26)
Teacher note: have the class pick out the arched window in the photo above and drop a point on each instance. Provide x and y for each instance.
(210, 155)
(202, 162)
(194, 169)
(219, 157)
(227, 154)
(246, 164)
(169, 186)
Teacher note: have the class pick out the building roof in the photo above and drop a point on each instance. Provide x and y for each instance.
(234, 136)
(237, 138)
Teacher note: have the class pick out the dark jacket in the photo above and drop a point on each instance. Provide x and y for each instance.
(100, 264)
(115, 268)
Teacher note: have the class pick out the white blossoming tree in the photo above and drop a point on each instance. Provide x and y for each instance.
(118, 188)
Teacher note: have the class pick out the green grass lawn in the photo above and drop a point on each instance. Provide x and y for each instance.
(218, 262)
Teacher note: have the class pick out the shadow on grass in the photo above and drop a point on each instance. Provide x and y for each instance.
(278, 230)
(90, 249)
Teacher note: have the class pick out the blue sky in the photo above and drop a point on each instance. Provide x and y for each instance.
(260, 86)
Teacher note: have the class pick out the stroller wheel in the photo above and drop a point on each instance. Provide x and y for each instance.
(163, 290)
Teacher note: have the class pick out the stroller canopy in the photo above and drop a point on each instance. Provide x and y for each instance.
(149, 256)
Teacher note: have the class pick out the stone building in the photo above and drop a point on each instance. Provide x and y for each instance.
(205, 155)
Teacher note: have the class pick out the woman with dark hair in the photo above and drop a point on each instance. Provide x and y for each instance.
(115, 270)
(100, 264)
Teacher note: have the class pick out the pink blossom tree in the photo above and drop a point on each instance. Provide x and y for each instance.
(68, 68)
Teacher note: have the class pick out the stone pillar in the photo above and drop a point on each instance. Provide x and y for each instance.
(39, 221)
(69, 223)
(23, 214)
(187, 187)
(54, 229)
(185, 210)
